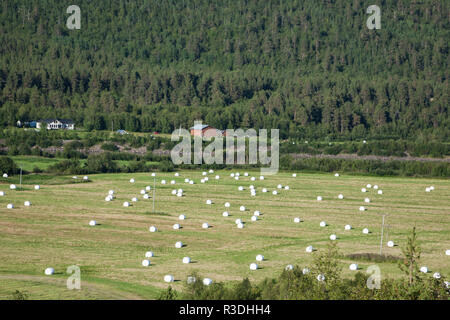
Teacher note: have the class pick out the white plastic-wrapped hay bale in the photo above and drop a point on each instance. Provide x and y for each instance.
(447, 252)
(432, 188)
(252, 178)
(178, 244)
(217, 177)
(348, 227)
(108, 198)
(240, 188)
(375, 187)
(179, 194)
(320, 278)
(390, 244)
(364, 141)
(237, 174)
(333, 237)
(202, 181)
(191, 181)
(191, 280)
(49, 271)
(353, 267)
(240, 226)
(368, 186)
(261, 177)
(153, 174)
(163, 181)
(257, 213)
(367, 200)
(237, 221)
(259, 257)
(145, 262)
(424, 269)
(363, 190)
(211, 171)
(227, 204)
(27, 203)
(253, 266)
(174, 192)
(208, 201)
(297, 220)
(251, 187)
(176, 174)
(74, 177)
(380, 191)
(146, 196)
(341, 196)
(181, 217)
(319, 198)
(274, 192)
(204, 173)
(289, 267)
(366, 231)
(306, 271)
(294, 175)
(176, 226)
(205, 225)
(245, 174)
(9, 206)
(186, 260)
(152, 229)
(236, 178)
(111, 192)
(180, 191)
(309, 249)
(92, 223)
(207, 281)
(427, 189)
(37, 187)
(264, 190)
(187, 180)
(323, 224)
(149, 254)
(254, 218)
(436, 275)
(2, 193)
(132, 180)
(225, 214)
(241, 208)
(168, 278)
(5, 175)
(148, 188)
(279, 186)
(232, 175)
(85, 178)
(362, 208)
(143, 192)
(134, 199)
(286, 188)
(336, 174)
(13, 187)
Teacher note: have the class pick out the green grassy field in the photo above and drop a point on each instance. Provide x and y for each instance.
(54, 231)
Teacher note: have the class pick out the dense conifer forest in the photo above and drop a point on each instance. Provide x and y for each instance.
(310, 68)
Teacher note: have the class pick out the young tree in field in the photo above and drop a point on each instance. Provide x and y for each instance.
(411, 253)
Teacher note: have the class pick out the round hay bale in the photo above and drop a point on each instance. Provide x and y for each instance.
(108, 198)
(436, 275)
(366, 231)
(180, 191)
(132, 180)
(217, 177)
(227, 204)
(259, 257)
(207, 281)
(256, 213)
(232, 175)
(427, 189)
(252, 187)
(240, 226)
(431, 188)
(254, 218)
(274, 192)
(181, 217)
(2, 193)
(168, 278)
(261, 177)
(13, 187)
(367, 200)
(74, 177)
(364, 141)
(126, 204)
(85, 178)
(5, 175)
(246, 174)
(279, 186)
(176, 226)
(363, 190)
(134, 199)
(191, 182)
(390, 244)
(153, 174)
(163, 181)
(9, 206)
(289, 267)
(241, 208)
(336, 174)
(211, 171)
(148, 188)
(179, 194)
(149, 254)
(252, 178)
(186, 260)
(321, 278)
(375, 187)
(111, 192)
(348, 227)
(145, 263)
(237, 221)
(294, 175)
(205, 225)
(323, 224)
(146, 196)
(368, 186)
(253, 266)
(380, 191)
(204, 173)
(309, 249)
(37, 187)
(178, 244)
(341, 196)
(297, 220)
(353, 267)
(362, 208)
(27, 203)
(208, 201)
(49, 271)
(447, 252)
(225, 214)
(236, 178)
(319, 198)
(424, 269)
(143, 192)
(286, 188)
(186, 180)
(174, 192)
(176, 174)
(237, 174)
(202, 181)
(152, 229)
(333, 237)
(240, 188)
(264, 190)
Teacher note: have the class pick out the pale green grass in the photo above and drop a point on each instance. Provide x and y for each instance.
(54, 231)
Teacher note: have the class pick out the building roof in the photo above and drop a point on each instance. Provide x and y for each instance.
(199, 127)
(65, 121)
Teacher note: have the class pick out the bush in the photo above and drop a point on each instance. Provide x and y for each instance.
(7, 165)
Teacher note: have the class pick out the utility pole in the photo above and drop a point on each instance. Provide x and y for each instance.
(20, 178)
(154, 186)
(381, 238)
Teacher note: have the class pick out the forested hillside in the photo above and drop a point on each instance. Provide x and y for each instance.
(310, 68)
